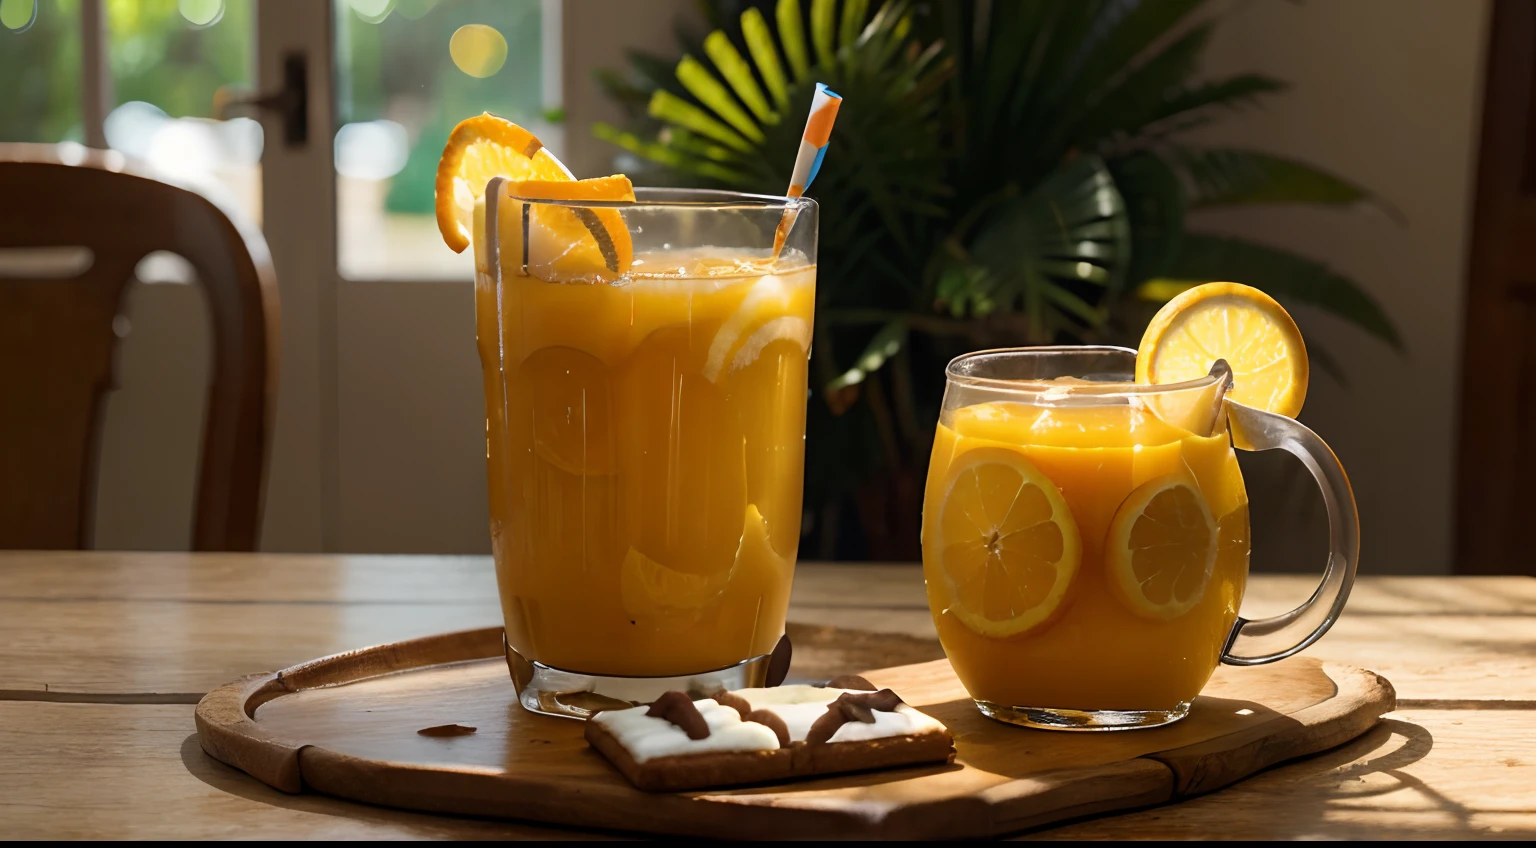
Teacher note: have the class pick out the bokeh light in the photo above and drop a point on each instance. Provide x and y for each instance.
(196, 148)
(478, 50)
(18, 15)
(187, 147)
(201, 13)
(371, 150)
(372, 11)
(132, 127)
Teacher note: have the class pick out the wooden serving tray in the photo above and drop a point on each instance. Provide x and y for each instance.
(347, 726)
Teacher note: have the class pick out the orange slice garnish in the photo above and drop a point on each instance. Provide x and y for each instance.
(478, 149)
(567, 242)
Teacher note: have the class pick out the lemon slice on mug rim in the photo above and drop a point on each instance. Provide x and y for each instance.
(1240, 324)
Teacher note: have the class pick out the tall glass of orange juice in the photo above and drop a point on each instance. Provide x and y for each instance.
(645, 435)
(1085, 537)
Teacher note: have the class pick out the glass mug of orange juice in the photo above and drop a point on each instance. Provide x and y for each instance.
(644, 354)
(1085, 537)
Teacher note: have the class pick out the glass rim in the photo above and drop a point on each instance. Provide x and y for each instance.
(671, 197)
(1033, 387)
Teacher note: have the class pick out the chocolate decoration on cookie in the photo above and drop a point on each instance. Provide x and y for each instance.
(677, 708)
(772, 721)
(851, 681)
(825, 726)
(856, 710)
(734, 701)
(850, 707)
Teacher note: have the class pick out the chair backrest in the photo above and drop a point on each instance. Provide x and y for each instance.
(57, 342)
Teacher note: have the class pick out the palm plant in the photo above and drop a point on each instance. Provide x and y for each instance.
(1001, 173)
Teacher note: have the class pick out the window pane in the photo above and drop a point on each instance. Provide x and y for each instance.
(169, 58)
(40, 57)
(398, 95)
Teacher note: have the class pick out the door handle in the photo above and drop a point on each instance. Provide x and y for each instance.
(290, 103)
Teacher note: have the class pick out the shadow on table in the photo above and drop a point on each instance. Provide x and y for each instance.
(389, 822)
(1301, 794)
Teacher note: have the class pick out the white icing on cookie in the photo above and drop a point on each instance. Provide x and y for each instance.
(902, 722)
(800, 706)
(648, 737)
(794, 694)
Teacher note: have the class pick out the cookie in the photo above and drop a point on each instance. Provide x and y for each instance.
(766, 735)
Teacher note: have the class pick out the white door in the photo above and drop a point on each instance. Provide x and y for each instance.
(379, 439)
(403, 422)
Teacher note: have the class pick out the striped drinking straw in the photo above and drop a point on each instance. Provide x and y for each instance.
(813, 148)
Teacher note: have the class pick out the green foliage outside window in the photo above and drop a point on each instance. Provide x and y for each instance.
(41, 70)
(153, 53)
(395, 68)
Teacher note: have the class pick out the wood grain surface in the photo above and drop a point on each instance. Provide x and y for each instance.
(89, 642)
(347, 726)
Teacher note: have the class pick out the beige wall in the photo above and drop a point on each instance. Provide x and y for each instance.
(152, 435)
(598, 32)
(1385, 92)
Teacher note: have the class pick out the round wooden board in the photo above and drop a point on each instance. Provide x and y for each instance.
(347, 726)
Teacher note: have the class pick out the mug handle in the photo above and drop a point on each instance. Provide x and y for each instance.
(1269, 639)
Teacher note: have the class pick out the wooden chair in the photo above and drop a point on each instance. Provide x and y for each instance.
(57, 342)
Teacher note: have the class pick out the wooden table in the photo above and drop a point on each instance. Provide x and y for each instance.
(102, 656)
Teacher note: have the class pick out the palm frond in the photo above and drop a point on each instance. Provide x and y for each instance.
(854, 12)
(824, 32)
(1055, 254)
(1191, 106)
(709, 91)
(671, 156)
(668, 107)
(1105, 58)
(738, 73)
(760, 44)
(885, 34)
(1021, 47)
(1155, 205)
(889, 176)
(882, 346)
(1141, 95)
(684, 141)
(1228, 177)
(653, 71)
(792, 35)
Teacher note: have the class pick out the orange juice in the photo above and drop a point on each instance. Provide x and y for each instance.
(1100, 647)
(645, 440)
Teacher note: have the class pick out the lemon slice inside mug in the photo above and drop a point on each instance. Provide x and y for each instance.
(1008, 545)
(1161, 547)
